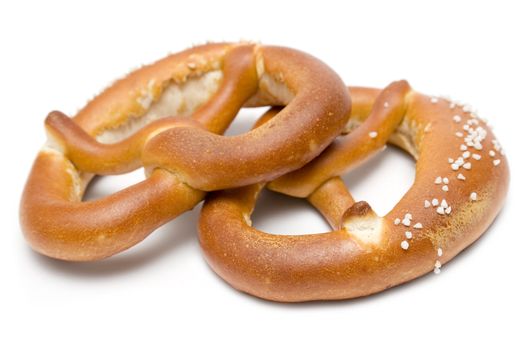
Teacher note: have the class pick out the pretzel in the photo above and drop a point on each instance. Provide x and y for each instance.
(461, 180)
(142, 120)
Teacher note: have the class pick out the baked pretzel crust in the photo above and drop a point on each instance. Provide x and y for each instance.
(166, 117)
(364, 254)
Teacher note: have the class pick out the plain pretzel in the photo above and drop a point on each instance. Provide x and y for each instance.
(142, 120)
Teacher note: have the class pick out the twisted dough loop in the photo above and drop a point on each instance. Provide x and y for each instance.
(365, 253)
(210, 162)
(210, 83)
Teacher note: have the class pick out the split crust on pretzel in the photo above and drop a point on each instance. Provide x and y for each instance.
(143, 120)
(365, 253)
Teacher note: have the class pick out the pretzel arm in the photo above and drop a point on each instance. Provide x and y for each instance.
(89, 155)
(349, 150)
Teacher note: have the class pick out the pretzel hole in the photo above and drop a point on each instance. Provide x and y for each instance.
(102, 186)
(276, 213)
(383, 179)
(245, 120)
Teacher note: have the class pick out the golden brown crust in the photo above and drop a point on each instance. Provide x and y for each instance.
(346, 152)
(210, 83)
(209, 162)
(58, 225)
(102, 158)
(365, 253)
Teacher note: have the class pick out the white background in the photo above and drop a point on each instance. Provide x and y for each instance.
(161, 294)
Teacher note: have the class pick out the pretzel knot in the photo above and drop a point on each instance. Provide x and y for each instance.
(167, 117)
(461, 180)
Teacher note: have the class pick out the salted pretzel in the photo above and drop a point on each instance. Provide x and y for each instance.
(461, 180)
(143, 120)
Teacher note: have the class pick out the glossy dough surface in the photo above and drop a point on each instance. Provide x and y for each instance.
(167, 116)
(461, 181)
